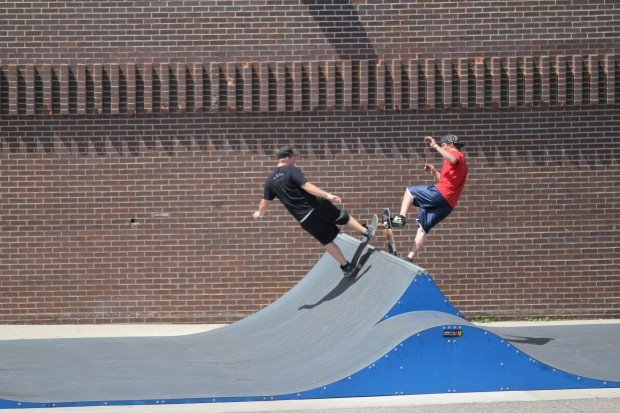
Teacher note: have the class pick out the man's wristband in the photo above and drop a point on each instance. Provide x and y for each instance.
(330, 196)
(435, 146)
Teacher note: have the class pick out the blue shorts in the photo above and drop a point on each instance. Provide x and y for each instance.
(433, 206)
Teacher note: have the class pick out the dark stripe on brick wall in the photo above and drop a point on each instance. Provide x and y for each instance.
(592, 81)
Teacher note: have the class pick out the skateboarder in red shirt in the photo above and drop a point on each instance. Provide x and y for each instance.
(437, 201)
(310, 205)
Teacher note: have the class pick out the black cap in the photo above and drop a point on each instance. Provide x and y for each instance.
(286, 151)
(451, 139)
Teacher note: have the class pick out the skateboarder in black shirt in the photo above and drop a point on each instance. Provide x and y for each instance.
(311, 206)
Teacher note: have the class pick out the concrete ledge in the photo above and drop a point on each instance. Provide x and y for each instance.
(537, 401)
(17, 332)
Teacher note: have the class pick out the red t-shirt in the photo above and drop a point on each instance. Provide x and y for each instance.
(452, 179)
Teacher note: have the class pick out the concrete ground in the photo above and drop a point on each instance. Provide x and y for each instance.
(589, 400)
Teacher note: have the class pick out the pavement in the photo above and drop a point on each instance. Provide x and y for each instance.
(585, 400)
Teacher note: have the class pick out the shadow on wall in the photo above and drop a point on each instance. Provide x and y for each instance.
(342, 26)
(492, 152)
(108, 145)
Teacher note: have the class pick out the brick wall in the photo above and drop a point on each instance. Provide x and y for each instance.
(133, 149)
(241, 30)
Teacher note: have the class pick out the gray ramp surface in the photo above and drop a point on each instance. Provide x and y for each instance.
(322, 330)
(587, 350)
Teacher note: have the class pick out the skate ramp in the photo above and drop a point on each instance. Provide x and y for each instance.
(388, 331)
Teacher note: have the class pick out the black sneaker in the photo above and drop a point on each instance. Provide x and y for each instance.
(409, 259)
(399, 221)
(347, 269)
(371, 228)
(370, 231)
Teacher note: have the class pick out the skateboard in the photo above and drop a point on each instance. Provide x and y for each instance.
(389, 234)
(358, 260)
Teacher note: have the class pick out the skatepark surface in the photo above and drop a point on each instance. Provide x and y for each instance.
(560, 401)
(327, 337)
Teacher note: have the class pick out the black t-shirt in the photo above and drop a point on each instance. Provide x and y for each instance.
(285, 184)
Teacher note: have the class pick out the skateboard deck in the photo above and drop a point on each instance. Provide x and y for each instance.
(389, 234)
(357, 260)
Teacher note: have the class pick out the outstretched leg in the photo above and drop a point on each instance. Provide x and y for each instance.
(334, 250)
(346, 267)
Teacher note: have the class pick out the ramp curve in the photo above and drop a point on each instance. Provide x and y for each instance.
(292, 345)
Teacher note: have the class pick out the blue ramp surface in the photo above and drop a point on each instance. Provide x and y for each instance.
(388, 331)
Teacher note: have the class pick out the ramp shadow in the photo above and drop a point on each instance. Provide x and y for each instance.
(537, 341)
(342, 286)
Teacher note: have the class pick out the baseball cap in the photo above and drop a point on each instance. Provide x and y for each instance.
(287, 151)
(451, 139)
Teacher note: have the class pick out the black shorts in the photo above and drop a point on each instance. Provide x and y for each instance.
(321, 222)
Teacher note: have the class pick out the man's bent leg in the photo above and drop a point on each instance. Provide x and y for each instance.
(354, 225)
(407, 202)
(400, 220)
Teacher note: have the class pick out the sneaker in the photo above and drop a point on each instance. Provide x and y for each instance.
(409, 259)
(399, 221)
(371, 228)
(347, 269)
